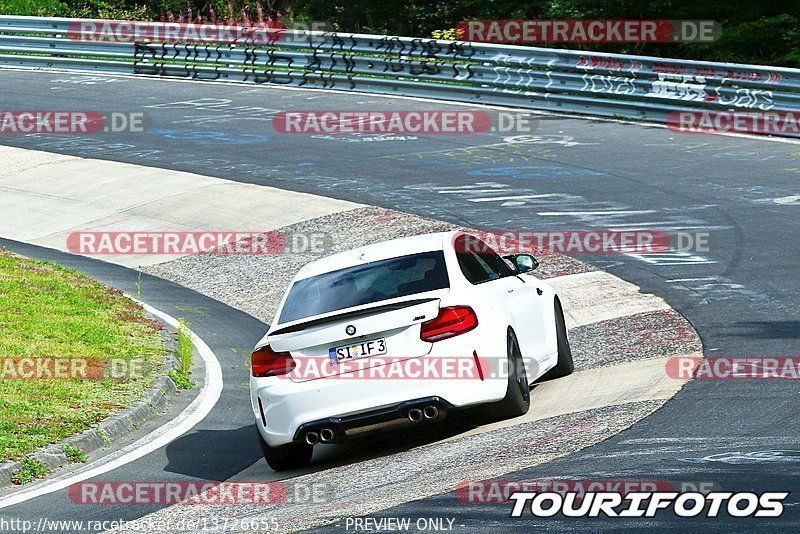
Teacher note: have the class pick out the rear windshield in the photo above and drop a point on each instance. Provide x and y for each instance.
(364, 284)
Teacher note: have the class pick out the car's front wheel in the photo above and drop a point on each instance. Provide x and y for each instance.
(289, 456)
(518, 392)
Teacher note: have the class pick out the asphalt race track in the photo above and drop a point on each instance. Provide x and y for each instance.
(741, 295)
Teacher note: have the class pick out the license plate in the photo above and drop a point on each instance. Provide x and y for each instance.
(362, 349)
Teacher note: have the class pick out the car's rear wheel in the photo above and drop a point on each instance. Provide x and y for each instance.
(565, 366)
(518, 392)
(289, 456)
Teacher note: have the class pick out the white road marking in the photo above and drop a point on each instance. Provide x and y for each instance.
(455, 188)
(657, 224)
(794, 199)
(466, 190)
(580, 213)
(639, 226)
(690, 280)
(517, 197)
(672, 258)
(184, 422)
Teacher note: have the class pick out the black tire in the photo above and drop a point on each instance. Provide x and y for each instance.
(290, 456)
(518, 392)
(565, 366)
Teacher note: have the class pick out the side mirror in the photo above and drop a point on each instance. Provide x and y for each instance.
(523, 262)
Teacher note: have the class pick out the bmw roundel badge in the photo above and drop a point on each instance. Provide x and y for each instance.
(351, 330)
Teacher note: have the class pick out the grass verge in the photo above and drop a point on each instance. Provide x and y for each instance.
(181, 375)
(74, 454)
(30, 471)
(54, 319)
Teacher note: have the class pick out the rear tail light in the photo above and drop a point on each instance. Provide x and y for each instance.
(266, 362)
(450, 322)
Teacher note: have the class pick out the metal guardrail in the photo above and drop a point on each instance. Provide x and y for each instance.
(567, 81)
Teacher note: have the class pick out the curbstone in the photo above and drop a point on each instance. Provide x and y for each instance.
(52, 457)
(7, 471)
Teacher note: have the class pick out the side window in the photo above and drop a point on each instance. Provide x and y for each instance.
(496, 263)
(478, 262)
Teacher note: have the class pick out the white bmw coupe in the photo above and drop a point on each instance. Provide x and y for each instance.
(401, 333)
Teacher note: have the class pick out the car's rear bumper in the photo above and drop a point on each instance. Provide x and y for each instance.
(349, 407)
(409, 413)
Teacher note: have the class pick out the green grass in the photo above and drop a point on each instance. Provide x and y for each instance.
(181, 375)
(48, 311)
(30, 471)
(74, 454)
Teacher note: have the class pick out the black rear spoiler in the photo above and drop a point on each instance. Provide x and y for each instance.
(351, 315)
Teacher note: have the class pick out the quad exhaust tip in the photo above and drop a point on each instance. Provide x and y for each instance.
(415, 415)
(326, 435)
(312, 438)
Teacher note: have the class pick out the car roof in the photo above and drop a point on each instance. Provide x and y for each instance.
(403, 246)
